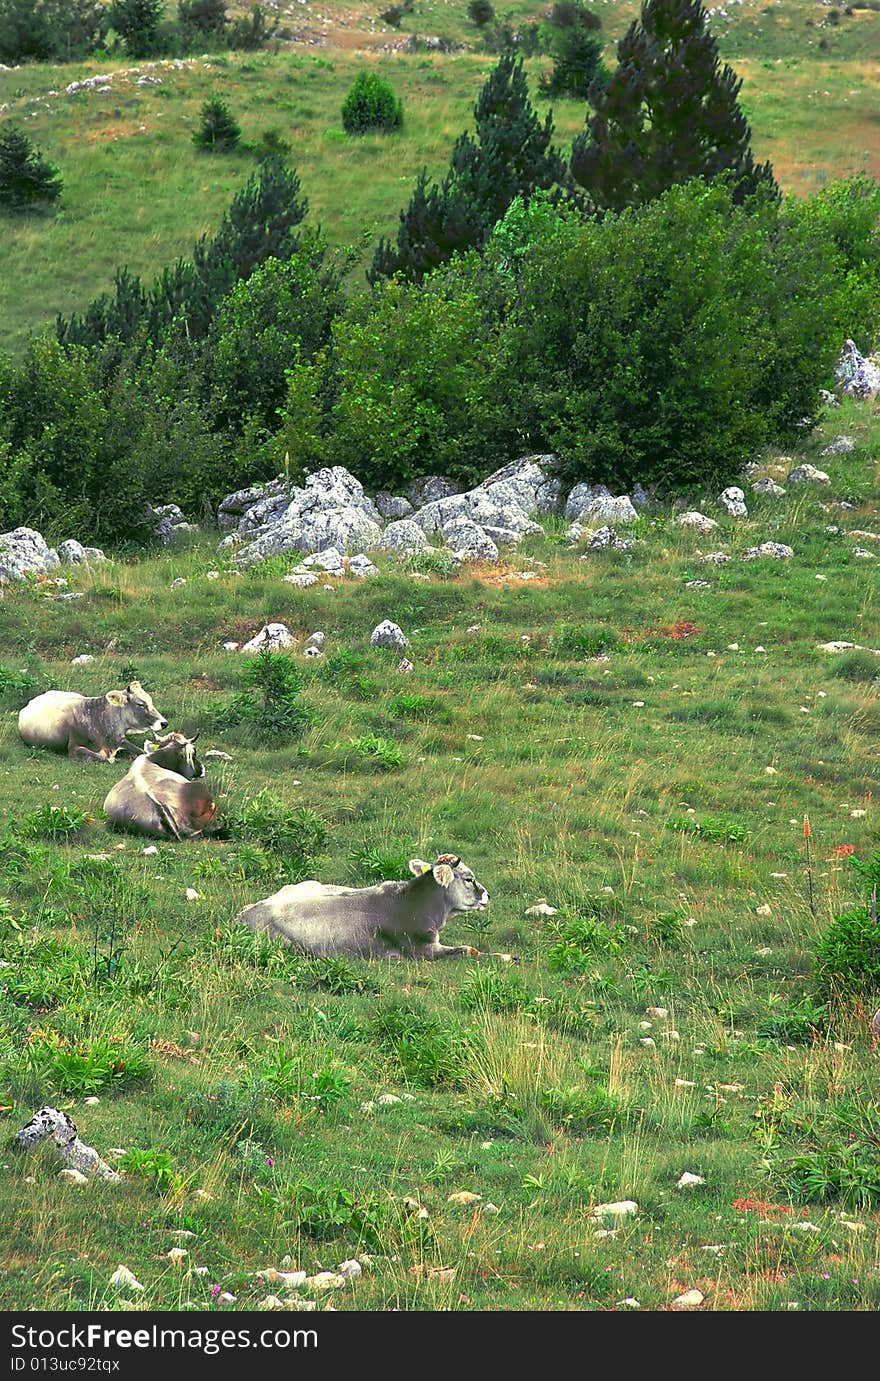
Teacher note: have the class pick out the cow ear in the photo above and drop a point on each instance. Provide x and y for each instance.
(115, 697)
(443, 874)
(417, 866)
(134, 686)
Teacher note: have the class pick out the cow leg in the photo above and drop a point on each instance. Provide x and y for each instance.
(167, 818)
(438, 951)
(79, 750)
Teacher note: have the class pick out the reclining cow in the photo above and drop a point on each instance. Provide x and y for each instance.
(163, 793)
(399, 920)
(89, 726)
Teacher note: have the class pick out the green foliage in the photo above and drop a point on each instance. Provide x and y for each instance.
(50, 30)
(486, 989)
(269, 705)
(802, 1020)
(722, 829)
(571, 642)
(399, 412)
(648, 346)
(581, 1111)
(860, 665)
(378, 750)
(87, 1066)
(846, 216)
(510, 156)
(18, 687)
(328, 1211)
(218, 131)
(481, 12)
(202, 19)
(429, 1052)
(668, 113)
(335, 974)
(371, 105)
(579, 939)
(846, 960)
(846, 1171)
(372, 864)
(296, 834)
(57, 823)
(27, 181)
(152, 1164)
(138, 23)
(577, 53)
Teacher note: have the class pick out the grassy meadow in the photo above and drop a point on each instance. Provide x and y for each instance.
(637, 751)
(138, 193)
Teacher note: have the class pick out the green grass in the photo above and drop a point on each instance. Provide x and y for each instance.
(638, 763)
(138, 193)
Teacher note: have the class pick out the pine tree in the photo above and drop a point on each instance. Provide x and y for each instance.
(137, 23)
(219, 130)
(576, 51)
(26, 179)
(669, 112)
(511, 156)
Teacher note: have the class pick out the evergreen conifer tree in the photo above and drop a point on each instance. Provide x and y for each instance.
(511, 156)
(26, 179)
(219, 130)
(137, 23)
(668, 113)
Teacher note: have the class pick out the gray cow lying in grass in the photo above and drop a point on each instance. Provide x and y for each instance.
(398, 920)
(89, 726)
(163, 793)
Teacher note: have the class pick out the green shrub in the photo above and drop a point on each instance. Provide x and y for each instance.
(27, 181)
(429, 1052)
(371, 105)
(574, 643)
(137, 22)
(376, 864)
(152, 1164)
(377, 750)
(57, 823)
(18, 687)
(218, 131)
(295, 833)
(481, 12)
(50, 30)
(85, 1067)
(269, 705)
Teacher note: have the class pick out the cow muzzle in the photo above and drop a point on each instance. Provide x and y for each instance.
(159, 723)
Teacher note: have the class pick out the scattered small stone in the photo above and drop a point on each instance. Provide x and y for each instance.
(73, 1176)
(82, 660)
(177, 1255)
(699, 521)
(623, 1208)
(775, 549)
(658, 1013)
(734, 501)
(840, 446)
(350, 1269)
(404, 665)
(193, 895)
(123, 1277)
(768, 486)
(541, 908)
(808, 474)
(463, 1196)
(325, 1280)
(176, 584)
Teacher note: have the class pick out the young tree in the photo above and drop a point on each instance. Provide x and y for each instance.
(511, 156)
(668, 113)
(219, 130)
(576, 49)
(26, 179)
(137, 23)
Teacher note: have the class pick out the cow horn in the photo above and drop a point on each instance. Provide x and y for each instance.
(195, 735)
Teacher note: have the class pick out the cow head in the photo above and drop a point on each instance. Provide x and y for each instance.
(136, 709)
(176, 753)
(460, 887)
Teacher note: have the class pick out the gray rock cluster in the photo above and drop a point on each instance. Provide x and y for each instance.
(24, 552)
(168, 523)
(332, 511)
(856, 376)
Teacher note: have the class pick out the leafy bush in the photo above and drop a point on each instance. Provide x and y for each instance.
(371, 105)
(295, 833)
(152, 1164)
(218, 130)
(270, 703)
(579, 939)
(576, 50)
(481, 12)
(86, 1067)
(498, 992)
(429, 1052)
(376, 864)
(572, 642)
(382, 752)
(335, 974)
(18, 687)
(56, 823)
(846, 961)
(137, 22)
(50, 30)
(716, 828)
(330, 1211)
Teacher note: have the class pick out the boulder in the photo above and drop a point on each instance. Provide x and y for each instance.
(582, 495)
(776, 549)
(392, 505)
(432, 516)
(531, 482)
(234, 506)
(807, 474)
(361, 566)
(699, 521)
(73, 553)
(388, 634)
(840, 446)
(403, 535)
(24, 552)
(468, 541)
(734, 501)
(768, 486)
(272, 637)
(607, 539)
(856, 376)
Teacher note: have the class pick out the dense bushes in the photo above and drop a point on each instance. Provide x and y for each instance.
(69, 30)
(371, 105)
(664, 344)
